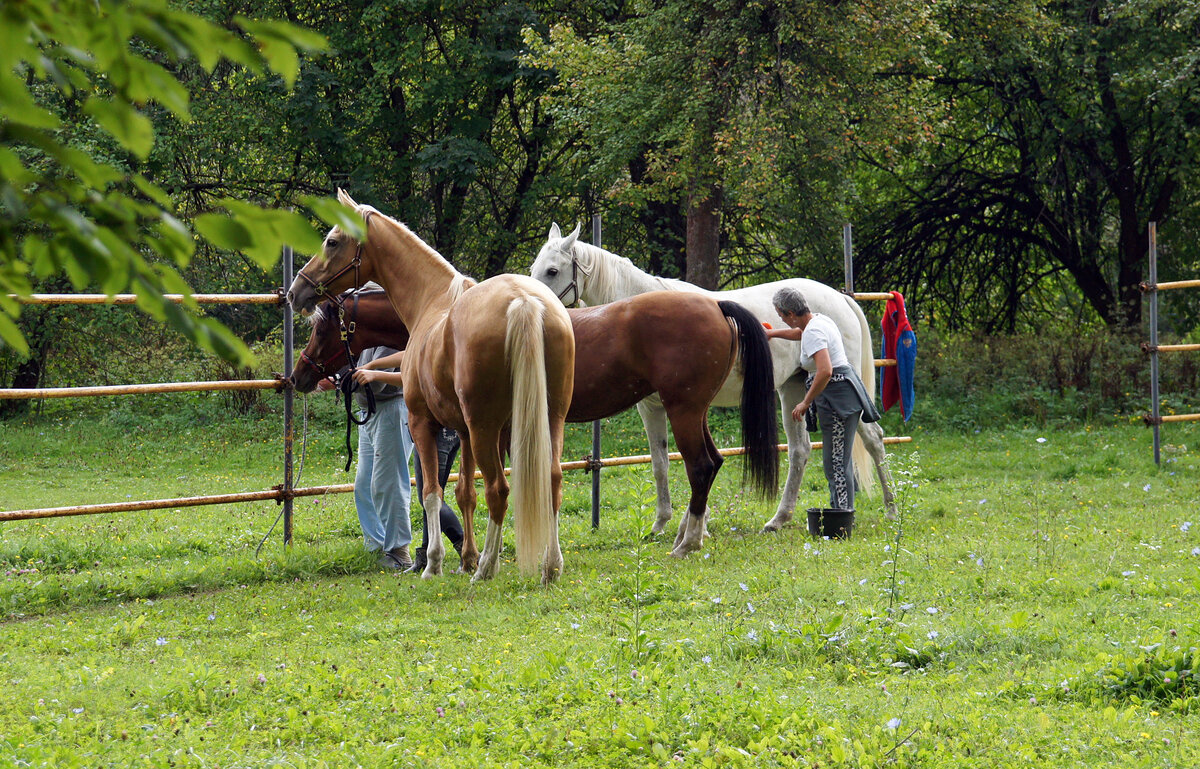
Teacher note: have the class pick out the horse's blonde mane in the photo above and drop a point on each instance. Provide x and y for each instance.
(613, 277)
(414, 239)
(459, 285)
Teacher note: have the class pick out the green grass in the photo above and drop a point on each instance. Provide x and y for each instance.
(1035, 606)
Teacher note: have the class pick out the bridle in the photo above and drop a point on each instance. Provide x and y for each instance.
(574, 284)
(322, 289)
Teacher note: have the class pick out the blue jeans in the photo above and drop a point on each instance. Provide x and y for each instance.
(382, 490)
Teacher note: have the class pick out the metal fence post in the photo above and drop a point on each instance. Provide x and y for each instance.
(848, 257)
(288, 395)
(1154, 411)
(596, 424)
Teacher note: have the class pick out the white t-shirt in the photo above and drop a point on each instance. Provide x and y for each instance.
(822, 333)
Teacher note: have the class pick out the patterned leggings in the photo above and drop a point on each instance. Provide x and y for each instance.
(838, 438)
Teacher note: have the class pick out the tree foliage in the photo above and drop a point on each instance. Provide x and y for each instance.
(1062, 130)
(80, 86)
(739, 110)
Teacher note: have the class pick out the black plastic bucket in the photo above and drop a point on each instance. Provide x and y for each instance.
(830, 522)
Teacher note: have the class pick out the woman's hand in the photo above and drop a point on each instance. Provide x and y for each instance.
(365, 375)
(801, 407)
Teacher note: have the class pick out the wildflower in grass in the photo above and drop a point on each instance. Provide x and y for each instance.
(893, 724)
(932, 634)
(1146, 487)
(1128, 573)
(706, 659)
(1196, 551)
(440, 711)
(1041, 440)
(574, 625)
(742, 585)
(862, 581)
(749, 607)
(932, 610)
(1185, 526)
(752, 635)
(160, 641)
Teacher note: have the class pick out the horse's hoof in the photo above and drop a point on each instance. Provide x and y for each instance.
(657, 528)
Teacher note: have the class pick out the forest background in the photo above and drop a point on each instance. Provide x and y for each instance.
(1000, 163)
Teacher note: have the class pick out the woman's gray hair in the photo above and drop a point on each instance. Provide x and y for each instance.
(790, 300)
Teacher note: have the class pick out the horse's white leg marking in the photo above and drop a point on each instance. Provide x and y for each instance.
(552, 561)
(799, 448)
(654, 418)
(489, 562)
(691, 535)
(436, 551)
(872, 438)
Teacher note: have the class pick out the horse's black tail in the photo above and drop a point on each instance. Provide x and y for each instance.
(760, 426)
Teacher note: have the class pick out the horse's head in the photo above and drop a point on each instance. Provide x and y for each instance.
(339, 265)
(560, 267)
(325, 353)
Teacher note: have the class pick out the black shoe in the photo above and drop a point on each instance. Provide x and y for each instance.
(418, 564)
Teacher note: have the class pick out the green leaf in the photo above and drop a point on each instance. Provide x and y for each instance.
(11, 335)
(18, 106)
(150, 81)
(132, 129)
(333, 213)
(224, 232)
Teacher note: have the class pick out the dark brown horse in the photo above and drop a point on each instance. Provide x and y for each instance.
(680, 346)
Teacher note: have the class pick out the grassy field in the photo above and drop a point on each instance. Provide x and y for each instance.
(1036, 605)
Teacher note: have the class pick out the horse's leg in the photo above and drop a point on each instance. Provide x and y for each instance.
(424, 434)
(872, 437)
(486, 445)
(464, 494)
(799, 448)
(654, 417)
(552, 560)
(702, 460)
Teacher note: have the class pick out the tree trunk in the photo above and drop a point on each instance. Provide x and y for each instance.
(704, 236)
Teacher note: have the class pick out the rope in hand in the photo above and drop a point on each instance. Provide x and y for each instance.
(347, 385)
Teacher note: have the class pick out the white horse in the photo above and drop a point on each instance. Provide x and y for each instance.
(589, 275)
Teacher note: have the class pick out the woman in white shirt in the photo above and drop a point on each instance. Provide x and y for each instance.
(834, 389)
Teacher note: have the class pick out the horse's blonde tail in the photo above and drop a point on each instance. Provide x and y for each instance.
(531, 499)
(864, 463)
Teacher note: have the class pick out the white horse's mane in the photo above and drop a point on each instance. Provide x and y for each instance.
(613, 277)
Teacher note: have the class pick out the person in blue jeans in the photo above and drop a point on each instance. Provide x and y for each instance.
(382, 485)
(377, 371)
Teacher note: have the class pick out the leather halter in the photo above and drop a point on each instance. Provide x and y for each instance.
(322, 289)
(574, 284)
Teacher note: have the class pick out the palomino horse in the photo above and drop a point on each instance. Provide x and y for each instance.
(623, 352)
(592, 276)
(487, 360)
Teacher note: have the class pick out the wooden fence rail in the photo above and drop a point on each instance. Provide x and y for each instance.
(279, 495)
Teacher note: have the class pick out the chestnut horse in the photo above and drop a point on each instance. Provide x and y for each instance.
(589, 275)
(624, 351)
(487, 360)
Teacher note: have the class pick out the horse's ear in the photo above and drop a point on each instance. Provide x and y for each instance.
(569, 241)
(555, 233)
(345, 199)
